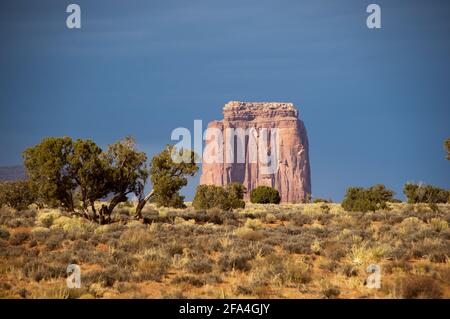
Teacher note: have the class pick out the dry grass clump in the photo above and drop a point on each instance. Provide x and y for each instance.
(235, 260)
(329, 290)
(419, 287)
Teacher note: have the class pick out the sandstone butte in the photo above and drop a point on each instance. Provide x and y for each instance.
(292, 178)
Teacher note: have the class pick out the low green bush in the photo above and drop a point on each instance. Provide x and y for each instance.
(226, 198)
(359, 199)
(418, 193)
(265, 195)
(16, 194)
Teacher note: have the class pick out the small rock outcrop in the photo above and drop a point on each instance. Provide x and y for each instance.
(292, 177)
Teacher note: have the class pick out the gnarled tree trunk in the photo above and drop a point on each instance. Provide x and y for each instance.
(141, 204)
(104, 214)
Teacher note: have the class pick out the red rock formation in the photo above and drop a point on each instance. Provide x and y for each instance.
(292, 176)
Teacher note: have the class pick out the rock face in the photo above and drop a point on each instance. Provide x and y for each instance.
(291, 177)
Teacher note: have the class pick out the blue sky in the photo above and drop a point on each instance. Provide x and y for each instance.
(376, 103)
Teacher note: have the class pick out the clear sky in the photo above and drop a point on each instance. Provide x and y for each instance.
(376, 103)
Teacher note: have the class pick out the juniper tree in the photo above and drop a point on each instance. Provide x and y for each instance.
(168, 173)
(126, 174)
(48, 169)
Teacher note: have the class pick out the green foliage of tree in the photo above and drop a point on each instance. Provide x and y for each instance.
(361, 199)
(17, 194)
(90, 172)
(226, 198)
(419, 193)
(168, 173)
(208, 196)
(126, 173)
(265, 195)
(48, 169)
(235, 194)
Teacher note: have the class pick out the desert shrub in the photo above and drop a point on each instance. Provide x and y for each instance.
(134, 240)
(39, 270)
(54, 240)
(152, 269)
(106, 277)
(363, 253)
(243, 289)
(420, 287)
(45, 218)
(235, 260)
(174, 248)
(208, 196)
(329, 290)
(439, 225)
(359, 199)
(302, 219)
(325, 209)
(199, 265)
(278, 269)
(299, 244)
(226, 198)
(5, 286)
(122, 259)
(348, 270)
(174, 294)
(335, 252)
(322, 200)
(329, 265)
(434, 248)
(410, 226)
(270, 218)
(297, 248)
(74, 225)
(19, 238)
(246, 233)
(16, 222)
(316, 247)
(418, 193)
(6, 216)
(214, 216)
(192, 280)
(401, 253)
(4, 233)
(296, 272)
(254, 224)
(396, 266)
(17, 194)
(265, 195)
(312, 210)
